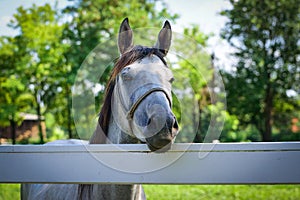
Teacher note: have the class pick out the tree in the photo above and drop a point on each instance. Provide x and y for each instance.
(266, 35)
(201, 106)
(192, 71)
(38, 51)
(14, 96)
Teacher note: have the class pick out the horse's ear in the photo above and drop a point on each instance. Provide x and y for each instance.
(164, 39)
(125, 39)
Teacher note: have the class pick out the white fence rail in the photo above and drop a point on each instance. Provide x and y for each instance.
(223, 163)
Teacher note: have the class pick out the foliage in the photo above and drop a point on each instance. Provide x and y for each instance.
(266, 37)
(14, 96)
(37, 61)
(201, 108)
(192, 71)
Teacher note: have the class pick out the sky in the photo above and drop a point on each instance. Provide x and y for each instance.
(200, 12)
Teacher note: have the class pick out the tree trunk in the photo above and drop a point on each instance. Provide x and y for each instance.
(39, 123)
(69, 123)
(267, 135)
(13, 130)
(198, 138)
(69, 113)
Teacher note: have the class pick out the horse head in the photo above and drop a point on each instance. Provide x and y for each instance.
(142, 100)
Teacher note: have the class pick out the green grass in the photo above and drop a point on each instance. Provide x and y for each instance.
(9, 191)
(222, 192)
(197, 192)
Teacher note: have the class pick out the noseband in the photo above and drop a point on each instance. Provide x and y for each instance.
(141, 98)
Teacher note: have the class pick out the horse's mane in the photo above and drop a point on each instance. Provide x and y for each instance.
(130, 56)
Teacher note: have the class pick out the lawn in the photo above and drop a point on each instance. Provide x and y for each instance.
(222, 192)
(197, 192)
(9, 191)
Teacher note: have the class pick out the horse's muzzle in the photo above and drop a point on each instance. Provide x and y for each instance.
(161, 132)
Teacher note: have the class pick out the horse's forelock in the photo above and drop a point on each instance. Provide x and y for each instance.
(132, 55)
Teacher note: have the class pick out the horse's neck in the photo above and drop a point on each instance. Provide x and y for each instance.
(114, 136)
(118, 192)
(117, 136)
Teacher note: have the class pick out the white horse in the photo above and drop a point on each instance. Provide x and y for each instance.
(136, 109)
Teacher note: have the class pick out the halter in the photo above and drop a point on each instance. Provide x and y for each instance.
(129, 112)
(139, 101)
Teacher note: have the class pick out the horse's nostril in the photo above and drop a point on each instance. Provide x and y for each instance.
(175, 124)
(149, 122)
(172, 123)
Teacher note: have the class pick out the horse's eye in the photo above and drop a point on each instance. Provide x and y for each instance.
(172, 80)
(125, 73)
(125, 70)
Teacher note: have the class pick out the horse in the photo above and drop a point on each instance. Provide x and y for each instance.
(137, 108)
